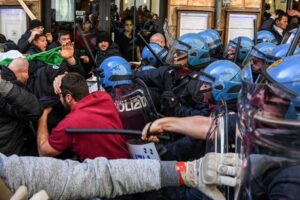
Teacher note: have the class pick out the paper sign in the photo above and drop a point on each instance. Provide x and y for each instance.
(193, 22)
(142, 151)
(240, 25)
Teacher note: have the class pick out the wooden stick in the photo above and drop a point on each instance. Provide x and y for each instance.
(27, 10)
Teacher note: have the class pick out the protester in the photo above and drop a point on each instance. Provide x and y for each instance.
(64, 38)
(6, 44)
(66, 179)
(276, 24)
(94, 110)
(35, 27)
(41, 74)
(105, 47)
(127, 42)
(18, 108)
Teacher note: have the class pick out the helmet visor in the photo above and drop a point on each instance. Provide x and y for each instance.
(258, 60)
(288, 38)
(230, 50)
(178, 53)
(269, 119)
(217, 137)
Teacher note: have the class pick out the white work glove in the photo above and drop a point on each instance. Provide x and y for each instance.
(210, 171)
(41, 195)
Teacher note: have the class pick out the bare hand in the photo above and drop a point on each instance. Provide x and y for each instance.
(49, 37)
(85, 59)
(47, 111)
(32, 35)
(67, 51)
(152, 127)
(57, 83)
(135, 64)
(293, 13)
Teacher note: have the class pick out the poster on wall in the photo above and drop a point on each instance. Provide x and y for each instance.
(240, 25)
(64, 10)
(12, 23)
(193, 22)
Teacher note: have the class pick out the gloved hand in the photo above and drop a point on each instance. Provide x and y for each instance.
(169, 102)
(20, 194)
(41, 195)
(210, 171)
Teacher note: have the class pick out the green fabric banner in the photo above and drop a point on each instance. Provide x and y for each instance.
(50, 57)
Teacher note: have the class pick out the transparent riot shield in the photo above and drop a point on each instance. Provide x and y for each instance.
(217, 137)
(268, 139)
(135, 105)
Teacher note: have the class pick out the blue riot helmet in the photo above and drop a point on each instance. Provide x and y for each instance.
(150, 58)
(146, 67)
(266, 36)
(268, 124)
(281, 50)
(245, 46)
(116, 71)
(210, 40)
(216, 36)
(224, 77)
(285, 73)
(260, 56)
(189, 50)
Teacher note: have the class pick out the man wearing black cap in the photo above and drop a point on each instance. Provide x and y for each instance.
(35, 27)
(105, 47)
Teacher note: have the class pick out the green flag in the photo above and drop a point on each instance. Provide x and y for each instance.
(50, 57)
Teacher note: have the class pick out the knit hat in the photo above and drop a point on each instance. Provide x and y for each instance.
(103, 36)
(35, 23)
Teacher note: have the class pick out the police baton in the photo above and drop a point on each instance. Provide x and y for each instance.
(152, 51)
(255, 31)
(127, 132)
(237, 49)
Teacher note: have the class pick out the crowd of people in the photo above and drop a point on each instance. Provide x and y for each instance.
(221, 115)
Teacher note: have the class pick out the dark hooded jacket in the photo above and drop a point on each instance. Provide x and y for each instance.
(18, 109)
(23, 42)
(42, 75)
(113, 50)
